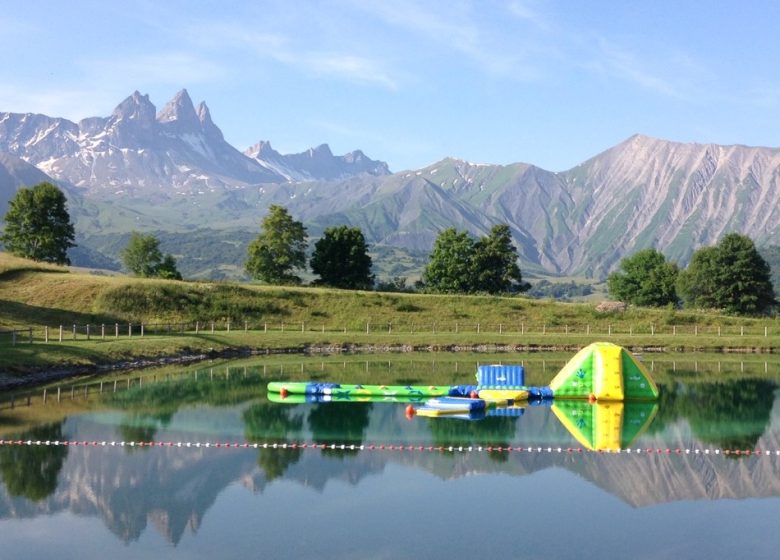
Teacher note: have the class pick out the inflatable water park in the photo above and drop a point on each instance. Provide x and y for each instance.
(603, 395)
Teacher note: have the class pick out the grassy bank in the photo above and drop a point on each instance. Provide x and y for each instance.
(39, 299)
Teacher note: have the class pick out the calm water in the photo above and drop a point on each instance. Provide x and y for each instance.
(197, 502)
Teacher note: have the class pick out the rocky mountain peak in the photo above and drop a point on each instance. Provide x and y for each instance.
(137, 108)
(180, 113)
(207, 125)
(261, 150)
(321, 151)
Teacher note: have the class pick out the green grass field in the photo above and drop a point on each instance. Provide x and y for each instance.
(36, 299)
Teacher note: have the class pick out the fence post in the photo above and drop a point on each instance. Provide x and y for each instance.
(742, 331)
(609, 330)
(367, 327)
(142, 329)
(116, 330)
(588, 328)
(129, 329)
(212, 327)
(74, 332)
(477, 328)
(674, 330)
(246, 326)
(60, 333)
(652, 329)
(13, 337)
(103, 331)
(765, 331)
(87, 331)
(197, 327)
(265, 327)
(46, 336)
(227, 326)
(500, 328)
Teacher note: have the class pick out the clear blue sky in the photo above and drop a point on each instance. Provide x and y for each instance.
(549, 83)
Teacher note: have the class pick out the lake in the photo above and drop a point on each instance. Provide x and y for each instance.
(224, 472)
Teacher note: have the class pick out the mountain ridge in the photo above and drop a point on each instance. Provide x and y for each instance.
(173, 169)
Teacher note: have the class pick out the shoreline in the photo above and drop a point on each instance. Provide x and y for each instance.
(41, 375)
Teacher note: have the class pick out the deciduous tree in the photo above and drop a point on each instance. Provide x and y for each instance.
(278, 250)
(37, 225)
(142, 257)
(731, 276)
(341, 259)
(645, 278)
(449, 267)
(494, 263)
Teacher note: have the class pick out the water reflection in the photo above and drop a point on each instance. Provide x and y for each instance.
(31, 471)
(605, 425)
(174, 488)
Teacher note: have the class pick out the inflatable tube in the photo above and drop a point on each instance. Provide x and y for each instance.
(504, 394)
(344, 391)
(297, 398)
(450, 413)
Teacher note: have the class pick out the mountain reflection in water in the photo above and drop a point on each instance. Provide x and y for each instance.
(173, 488)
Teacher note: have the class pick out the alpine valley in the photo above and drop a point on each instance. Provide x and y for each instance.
(173, 174)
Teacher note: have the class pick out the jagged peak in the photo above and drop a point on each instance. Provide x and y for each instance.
(204, 115)
(260, 150)
(135, 106)
(179, 109)
(206, 124)
(323, 150)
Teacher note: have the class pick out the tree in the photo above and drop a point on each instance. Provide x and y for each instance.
(279, 249)
(731, 276)
(697, 284)
(494, 263)
(142, 257)
(645, 278)
(341, 259)
(449, 267)
(37, 225)
(459, 264)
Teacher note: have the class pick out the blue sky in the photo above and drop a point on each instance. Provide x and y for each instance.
(550, 83)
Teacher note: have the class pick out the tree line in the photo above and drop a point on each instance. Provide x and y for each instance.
(731, 276)
(38, 226)
(458, 263)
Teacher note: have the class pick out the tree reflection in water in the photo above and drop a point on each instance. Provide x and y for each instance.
(339, 423)
(31, 471)
(271, 423)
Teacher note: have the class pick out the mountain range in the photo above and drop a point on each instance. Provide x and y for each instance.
(173, 173)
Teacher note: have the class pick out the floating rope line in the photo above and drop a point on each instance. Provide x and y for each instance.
(650, 451)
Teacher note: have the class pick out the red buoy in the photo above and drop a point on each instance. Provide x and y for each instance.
(283, 393)
(474, 395)
(409, 412)
(591, 398)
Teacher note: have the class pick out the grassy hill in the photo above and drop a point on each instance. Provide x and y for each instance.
(38, 296)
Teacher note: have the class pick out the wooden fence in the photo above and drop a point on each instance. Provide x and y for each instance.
(72, 332)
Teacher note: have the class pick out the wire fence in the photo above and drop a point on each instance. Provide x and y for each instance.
(75, 332)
